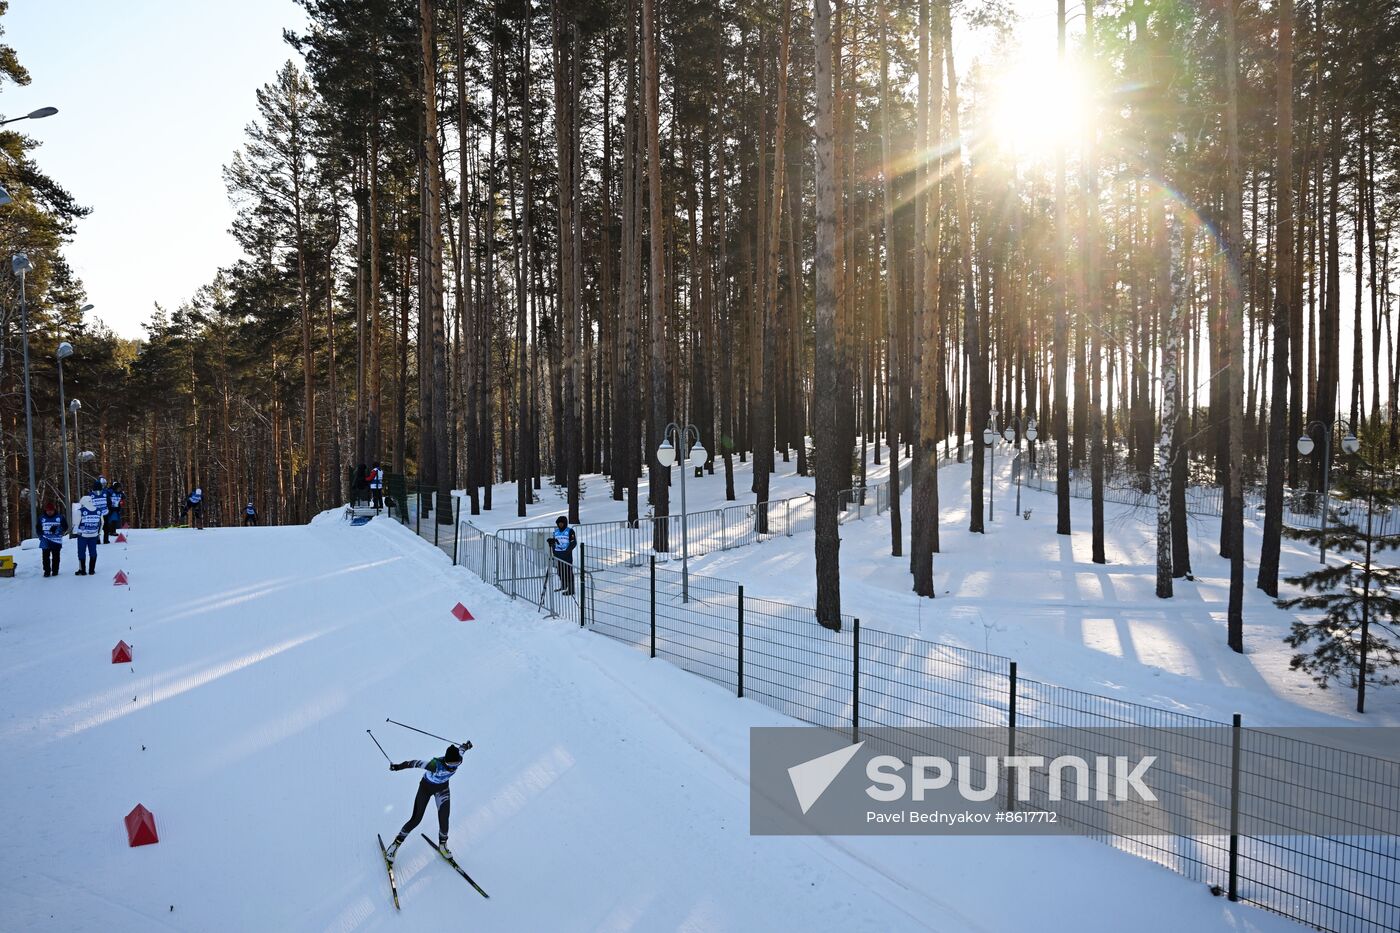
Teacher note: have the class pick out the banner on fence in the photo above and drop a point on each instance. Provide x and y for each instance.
(1126, 782)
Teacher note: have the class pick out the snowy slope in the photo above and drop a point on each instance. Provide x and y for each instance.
(606, 791)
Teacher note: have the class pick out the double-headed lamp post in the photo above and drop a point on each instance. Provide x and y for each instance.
(1350, 445)
(21, 266)
(989, 438)
(676, 446)
(1029, 434)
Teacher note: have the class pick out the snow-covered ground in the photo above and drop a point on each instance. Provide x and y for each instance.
(606, 791)
(1034, 596)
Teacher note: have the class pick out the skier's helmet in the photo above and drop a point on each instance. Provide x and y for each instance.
(453, 754)
(85, 503)
(561, 521)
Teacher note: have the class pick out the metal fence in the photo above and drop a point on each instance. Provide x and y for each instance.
(1302, 508)
(859, 502)
(861, 677)
(708, 531)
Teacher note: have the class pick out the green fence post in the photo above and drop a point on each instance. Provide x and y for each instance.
(855, 681)
(1234, 889)
(741, 639)
(1011, 734)
(582, 586)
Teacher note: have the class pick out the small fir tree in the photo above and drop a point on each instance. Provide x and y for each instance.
(1359, 597)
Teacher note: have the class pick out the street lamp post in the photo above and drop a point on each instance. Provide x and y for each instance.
(74, 407)
(21, 267)
(989, 438)
(65, 350)
(672, 451)
(1011, 433)
(85, 456)
(1350, 445)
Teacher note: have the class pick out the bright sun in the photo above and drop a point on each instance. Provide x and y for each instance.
(1037, 105)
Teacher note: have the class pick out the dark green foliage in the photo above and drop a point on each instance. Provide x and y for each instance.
(1356, 594)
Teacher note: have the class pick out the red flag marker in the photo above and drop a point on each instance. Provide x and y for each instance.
(120, 579)
(122, 653)
(141, 827)
(461, 613)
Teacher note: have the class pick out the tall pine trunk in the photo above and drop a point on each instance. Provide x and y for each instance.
(832, 457)
(1283, 311)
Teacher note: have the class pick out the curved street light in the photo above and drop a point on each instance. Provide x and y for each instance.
(21, 266)
(32, 115)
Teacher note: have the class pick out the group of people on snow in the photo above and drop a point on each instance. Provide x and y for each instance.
(99, 515)
(194, 510)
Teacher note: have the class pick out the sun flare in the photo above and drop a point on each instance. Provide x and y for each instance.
(1038, 105)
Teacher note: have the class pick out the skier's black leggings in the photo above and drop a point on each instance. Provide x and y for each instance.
(427, 789)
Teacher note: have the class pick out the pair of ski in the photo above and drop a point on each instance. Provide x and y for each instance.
(393, 883)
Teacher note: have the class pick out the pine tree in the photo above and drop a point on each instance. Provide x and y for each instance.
(1359, 598)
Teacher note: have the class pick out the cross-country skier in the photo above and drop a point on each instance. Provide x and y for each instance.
(434, 785)
(375, 478)
(89, 527)
(52, 526)
(562, 542)
(250, 514)
(194, 508)
(113, 523)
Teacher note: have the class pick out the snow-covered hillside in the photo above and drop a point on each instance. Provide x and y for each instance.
(606, 791)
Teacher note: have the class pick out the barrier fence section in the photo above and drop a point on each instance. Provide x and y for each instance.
(1302, 508)
(861, 677)
(706, 532)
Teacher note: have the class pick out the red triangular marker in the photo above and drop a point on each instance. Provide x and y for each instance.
(121, 538)
(461, 613)
(120, 579)
(122, 653)
(141, 827)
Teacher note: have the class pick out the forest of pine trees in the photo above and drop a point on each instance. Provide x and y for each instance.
(507, 242)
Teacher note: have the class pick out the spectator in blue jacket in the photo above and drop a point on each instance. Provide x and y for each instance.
(89, 528)
(99, 498)
(115, 500)
(562, 542)
(53, 525)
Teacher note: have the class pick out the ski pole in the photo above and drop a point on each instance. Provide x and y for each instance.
(381, 748)
(429, 734)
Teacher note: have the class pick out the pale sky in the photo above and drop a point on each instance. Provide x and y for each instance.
(153, 96)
